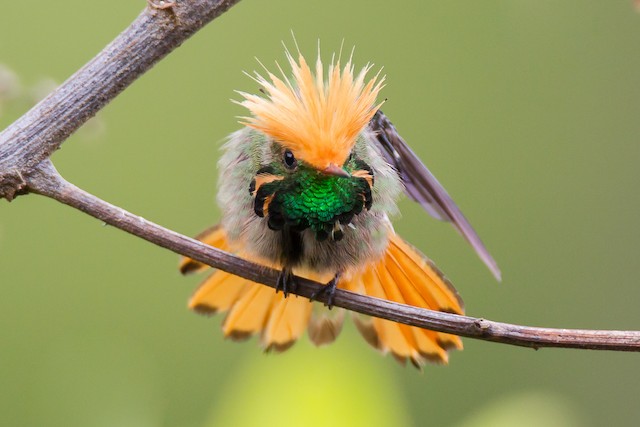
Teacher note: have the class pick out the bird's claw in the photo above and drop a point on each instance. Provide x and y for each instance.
(286, 282)
(329, 290)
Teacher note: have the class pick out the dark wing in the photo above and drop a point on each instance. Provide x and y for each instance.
(424, 188)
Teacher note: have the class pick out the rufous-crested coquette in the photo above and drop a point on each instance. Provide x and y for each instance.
(308, 186)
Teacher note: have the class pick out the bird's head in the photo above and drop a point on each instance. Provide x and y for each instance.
(316, 179)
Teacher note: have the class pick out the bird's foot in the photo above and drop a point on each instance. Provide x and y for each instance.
(329, 290)
(286, 282)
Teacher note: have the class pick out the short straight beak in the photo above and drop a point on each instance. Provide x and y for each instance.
(337, 171)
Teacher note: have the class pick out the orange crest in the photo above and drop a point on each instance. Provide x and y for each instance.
(317, 120)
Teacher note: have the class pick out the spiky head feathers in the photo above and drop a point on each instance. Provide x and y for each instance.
(317, 119)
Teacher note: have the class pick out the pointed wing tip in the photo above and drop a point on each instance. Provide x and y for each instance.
(497, 274)
(492, 265)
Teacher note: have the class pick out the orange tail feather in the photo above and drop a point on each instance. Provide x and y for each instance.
(214, 236)
(403, 275)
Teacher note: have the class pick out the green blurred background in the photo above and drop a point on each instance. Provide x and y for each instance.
(527, 111)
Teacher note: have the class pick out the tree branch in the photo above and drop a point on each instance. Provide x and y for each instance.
(157, 31)
(26, 145)
(48, 182)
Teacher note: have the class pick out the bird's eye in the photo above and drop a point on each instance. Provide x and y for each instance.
(289, 159)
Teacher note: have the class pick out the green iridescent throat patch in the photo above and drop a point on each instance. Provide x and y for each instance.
(310, 199)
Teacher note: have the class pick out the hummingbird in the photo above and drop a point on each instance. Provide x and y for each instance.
(308, 186)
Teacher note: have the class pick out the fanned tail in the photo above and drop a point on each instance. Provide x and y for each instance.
(404, 275)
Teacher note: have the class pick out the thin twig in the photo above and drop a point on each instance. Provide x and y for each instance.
(26, 145)
(48, 182)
